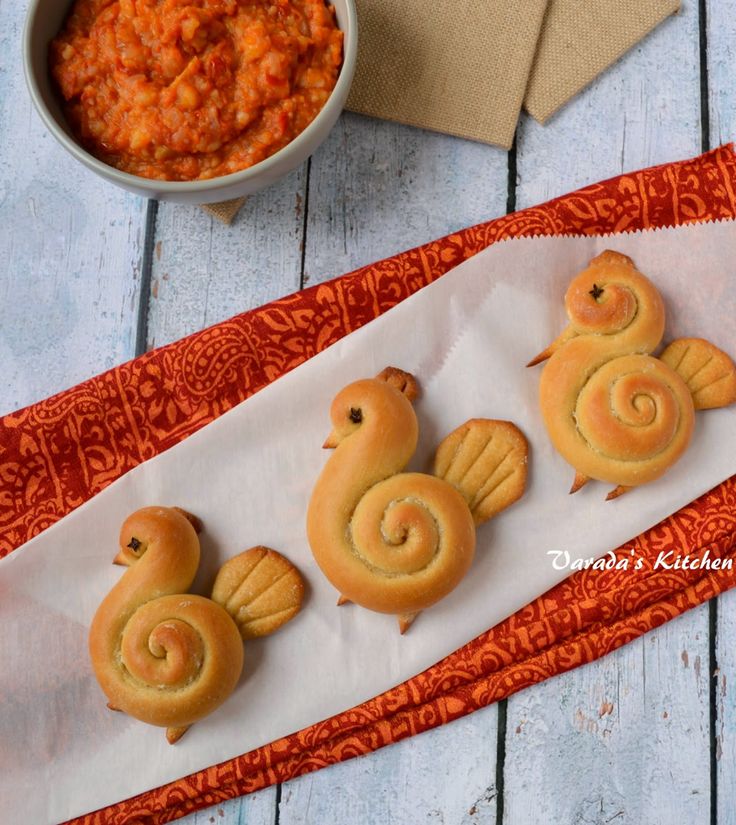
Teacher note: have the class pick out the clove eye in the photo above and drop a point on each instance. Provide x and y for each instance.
(356, 415)
(134, 544)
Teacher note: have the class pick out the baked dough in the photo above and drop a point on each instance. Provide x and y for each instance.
(486, 461)
(392, 541)
(709, 373)
(160, 654)
(612, 410)
(260, 589)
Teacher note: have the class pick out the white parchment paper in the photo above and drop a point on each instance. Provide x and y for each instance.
(248, 475)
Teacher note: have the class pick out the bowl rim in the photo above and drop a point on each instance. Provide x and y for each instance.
(157, 185)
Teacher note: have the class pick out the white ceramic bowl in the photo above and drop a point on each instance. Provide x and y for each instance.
(43, 22)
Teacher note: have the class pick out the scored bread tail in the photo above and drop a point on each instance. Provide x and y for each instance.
(709, 373)
(486, 461)
(260, 589)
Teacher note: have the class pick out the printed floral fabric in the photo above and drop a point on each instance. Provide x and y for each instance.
(56, 454)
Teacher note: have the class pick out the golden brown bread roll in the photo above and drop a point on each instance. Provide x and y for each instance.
(160, 654)
(391, 541)
(612, 410)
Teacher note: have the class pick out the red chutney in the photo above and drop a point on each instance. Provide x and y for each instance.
(193, 89)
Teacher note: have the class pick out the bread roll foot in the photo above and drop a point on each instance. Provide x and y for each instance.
(619, 491)
(110, 706)
(580, 481)
(342, 600)
(173, 735)
(405, 621)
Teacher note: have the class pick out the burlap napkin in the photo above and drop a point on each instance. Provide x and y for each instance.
(460, 68)
(224, 211)
(581, 38)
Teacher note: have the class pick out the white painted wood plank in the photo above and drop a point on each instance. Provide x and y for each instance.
(378, 188)
(70, 247)
(725, 677)
(204, 271)
(445, 776)
(646, 758)
(721, 36)
(623, 740)
(643, 111)
(257, 809)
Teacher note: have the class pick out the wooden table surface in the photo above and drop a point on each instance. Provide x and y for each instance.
(92, 276)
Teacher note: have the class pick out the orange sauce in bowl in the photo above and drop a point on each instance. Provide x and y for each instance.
(193, 89)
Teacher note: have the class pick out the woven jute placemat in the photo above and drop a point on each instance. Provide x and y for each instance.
(460, 68)
(224, 211)
(582, 38)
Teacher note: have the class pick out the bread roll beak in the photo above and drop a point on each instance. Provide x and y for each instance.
(332, 440)
(566, 335)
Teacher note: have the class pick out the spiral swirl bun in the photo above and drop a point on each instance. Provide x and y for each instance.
(613, 411)
(413, 539)
(391, 541)
(162, 655)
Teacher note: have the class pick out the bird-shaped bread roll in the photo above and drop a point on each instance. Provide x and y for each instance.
(162, 655)
(397, 542)
(612, 410)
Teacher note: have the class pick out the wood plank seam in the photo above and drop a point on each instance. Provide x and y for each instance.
(713, 604)
(304, 230)
(149, 239)
(503, 704)
(277, 800)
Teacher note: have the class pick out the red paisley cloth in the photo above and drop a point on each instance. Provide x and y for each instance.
(56, 454)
